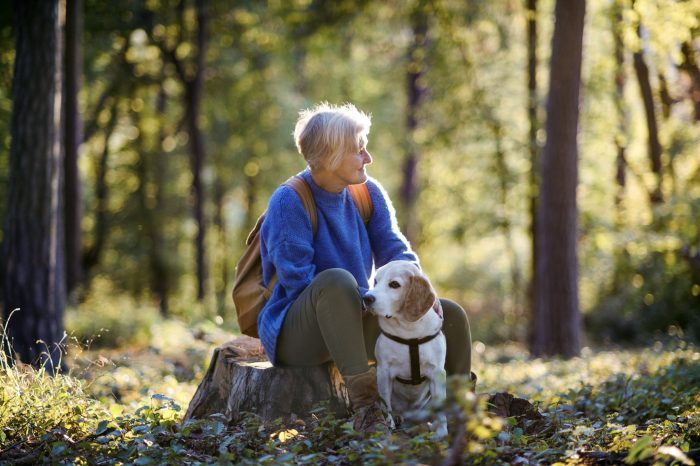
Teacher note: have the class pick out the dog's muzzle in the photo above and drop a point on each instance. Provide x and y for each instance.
(367, 301)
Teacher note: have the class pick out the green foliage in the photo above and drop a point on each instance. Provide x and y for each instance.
(636, 283)
(38, 408)
(655, 287)
(639, 407)
(655, 299)
(112, 323)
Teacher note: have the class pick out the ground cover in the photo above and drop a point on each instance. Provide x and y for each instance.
(125, 405)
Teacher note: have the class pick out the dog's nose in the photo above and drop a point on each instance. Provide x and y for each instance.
(368, 299)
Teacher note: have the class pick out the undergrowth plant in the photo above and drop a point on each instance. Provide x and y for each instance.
(606, 407)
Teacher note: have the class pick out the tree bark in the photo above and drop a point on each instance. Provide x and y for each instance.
(533, 146)
(34, 261)
(193, 102)
(690, 67)
(194, 98)
(620, 139)
(73, 139)
(251, 199)
(240, 380)
(223, 240)
(667, 99)
(621, 135)
(122, 83)
(150, 170)
(160, 273)
(93, 254)
(416, 90)
(654, 146)
(501, 170)
(557, 321)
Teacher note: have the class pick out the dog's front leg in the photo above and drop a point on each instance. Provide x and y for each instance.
(438, 394)
(385, 386)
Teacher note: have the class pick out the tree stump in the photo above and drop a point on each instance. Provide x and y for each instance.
(240, 379)
(526, 415)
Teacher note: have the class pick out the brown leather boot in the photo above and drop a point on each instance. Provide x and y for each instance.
(365, 402)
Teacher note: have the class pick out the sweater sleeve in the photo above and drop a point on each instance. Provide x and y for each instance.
(287, 243)
(388, 243)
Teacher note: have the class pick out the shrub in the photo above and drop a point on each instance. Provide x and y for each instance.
(110, 322)
(659, 295)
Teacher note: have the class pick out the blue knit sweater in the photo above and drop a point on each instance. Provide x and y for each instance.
(289, 248)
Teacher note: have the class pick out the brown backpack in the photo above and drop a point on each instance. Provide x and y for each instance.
(249, 292)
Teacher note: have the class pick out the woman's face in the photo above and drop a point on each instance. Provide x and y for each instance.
(351, 169)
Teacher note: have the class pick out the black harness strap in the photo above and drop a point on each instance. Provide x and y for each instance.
(413, 344)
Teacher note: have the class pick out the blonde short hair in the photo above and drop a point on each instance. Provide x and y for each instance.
(329, 132)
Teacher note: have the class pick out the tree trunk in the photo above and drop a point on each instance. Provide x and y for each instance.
(72, 141)
(122, 84)
(667, 100)
(416, 90)
(251, 199)
(160, 273)
(501, 169)
(34, 262)
(223, 240)
(192, 79)
(193, 104)
(241, 380)
(533, 146)
(690, 66)
(621, 135)
(620, 139)
(642, 71)
(93, 254)
(149, 169)
(557, 321)
(194, 98)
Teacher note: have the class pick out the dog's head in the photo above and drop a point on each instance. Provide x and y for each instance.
(402, 290)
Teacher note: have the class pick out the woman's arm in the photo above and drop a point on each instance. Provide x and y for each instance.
(287, 243)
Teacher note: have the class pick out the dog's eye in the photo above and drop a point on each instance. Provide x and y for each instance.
(394, 284)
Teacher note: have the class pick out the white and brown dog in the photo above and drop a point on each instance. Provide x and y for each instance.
(410, 350)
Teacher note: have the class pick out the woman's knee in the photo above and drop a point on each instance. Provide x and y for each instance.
(336, 286)
(453, 312)
(458, 336)
(335, 279)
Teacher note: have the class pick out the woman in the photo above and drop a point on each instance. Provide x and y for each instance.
(315, 313)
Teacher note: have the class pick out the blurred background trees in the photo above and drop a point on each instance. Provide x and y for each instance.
(183, 119)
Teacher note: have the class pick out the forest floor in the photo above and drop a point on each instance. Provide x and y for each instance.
(125, 406)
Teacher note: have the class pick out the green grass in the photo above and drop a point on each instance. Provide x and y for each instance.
(125, 405)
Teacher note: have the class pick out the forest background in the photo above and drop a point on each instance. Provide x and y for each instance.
(157, 234)
(175, 126)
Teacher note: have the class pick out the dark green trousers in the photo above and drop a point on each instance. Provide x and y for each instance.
(326, 323)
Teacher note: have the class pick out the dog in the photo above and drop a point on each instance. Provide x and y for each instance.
(410, 351)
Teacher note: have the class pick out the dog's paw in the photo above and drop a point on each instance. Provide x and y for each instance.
(441, 431)
(390, 421)
(439, 426)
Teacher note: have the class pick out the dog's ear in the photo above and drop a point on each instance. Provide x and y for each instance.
(419, 298)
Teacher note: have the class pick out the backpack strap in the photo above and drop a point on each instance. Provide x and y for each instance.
(302, 188)
(363, 202)
(359, 192)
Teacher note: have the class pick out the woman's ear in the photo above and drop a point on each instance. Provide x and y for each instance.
(419, 298)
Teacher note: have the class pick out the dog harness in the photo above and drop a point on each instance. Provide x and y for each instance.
(413, 344)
